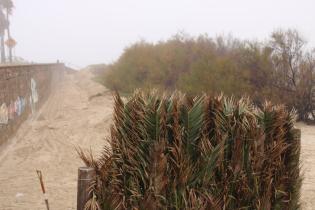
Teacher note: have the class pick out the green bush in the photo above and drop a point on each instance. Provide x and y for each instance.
(191, 65)
(280, 70)
(176, 152)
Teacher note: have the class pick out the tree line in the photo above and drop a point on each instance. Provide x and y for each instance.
(280, 69)
(6, 7)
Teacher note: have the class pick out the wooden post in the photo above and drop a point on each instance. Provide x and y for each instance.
(85, 176)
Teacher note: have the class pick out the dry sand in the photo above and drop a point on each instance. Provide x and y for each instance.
(308, 166)
(69, 119)
(47, 142)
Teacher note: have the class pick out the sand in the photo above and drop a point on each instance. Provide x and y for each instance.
(47, 142)
(73, 117)
(308, 166)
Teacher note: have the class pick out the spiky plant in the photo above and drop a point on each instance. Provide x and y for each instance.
(175, 152)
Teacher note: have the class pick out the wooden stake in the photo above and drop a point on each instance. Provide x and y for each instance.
(40, 177)
(85, 176)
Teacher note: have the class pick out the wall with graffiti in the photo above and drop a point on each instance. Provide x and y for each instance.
(11, 111)
(23, 89)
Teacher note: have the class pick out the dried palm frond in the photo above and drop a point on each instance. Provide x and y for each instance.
(175, 152)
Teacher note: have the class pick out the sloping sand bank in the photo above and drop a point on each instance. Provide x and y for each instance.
(47, 142)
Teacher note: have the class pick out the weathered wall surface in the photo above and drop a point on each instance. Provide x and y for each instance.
(23, 89)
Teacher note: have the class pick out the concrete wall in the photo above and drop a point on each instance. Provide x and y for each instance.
(23, 90)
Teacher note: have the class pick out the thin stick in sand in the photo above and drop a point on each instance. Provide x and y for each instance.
(40, 177)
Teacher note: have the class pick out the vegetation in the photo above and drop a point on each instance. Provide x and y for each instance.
(280, 70)
(175, 152)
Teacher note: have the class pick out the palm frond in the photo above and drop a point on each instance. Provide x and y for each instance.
(176, 152)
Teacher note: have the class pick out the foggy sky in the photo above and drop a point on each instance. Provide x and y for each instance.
(82, 32)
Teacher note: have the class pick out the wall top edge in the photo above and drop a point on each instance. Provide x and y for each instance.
(29, 65)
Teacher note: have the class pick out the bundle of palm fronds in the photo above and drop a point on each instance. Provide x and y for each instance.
(175, 152)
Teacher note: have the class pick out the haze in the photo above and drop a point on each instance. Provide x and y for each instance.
(81, 32)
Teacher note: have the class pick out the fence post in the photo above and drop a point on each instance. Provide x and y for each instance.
(85, 176)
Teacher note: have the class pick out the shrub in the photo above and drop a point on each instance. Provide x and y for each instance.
(177, 152)
(280, 70)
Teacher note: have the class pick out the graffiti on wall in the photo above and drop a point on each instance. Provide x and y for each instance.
(4, 114)
(17, 107)
(23, 104)
(11, 110)
(34, 95)
(34, 91)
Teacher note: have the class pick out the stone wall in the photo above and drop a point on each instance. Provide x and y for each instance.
(23, 89)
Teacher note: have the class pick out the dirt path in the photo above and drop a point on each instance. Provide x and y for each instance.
(47, 142)
(69, 119)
